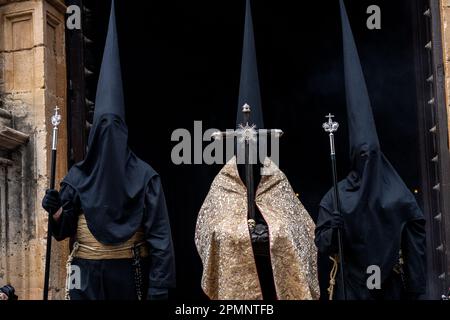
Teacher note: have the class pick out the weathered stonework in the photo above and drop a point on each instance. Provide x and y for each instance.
(445, 14)
(32, 83)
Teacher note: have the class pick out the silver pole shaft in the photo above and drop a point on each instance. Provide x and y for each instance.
(332, 147)
(55, 138)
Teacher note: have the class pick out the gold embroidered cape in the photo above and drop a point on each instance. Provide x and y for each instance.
(223, 240)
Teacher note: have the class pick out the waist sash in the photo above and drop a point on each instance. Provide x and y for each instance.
(89, 248)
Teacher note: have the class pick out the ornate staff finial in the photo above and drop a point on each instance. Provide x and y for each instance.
(56, 118)
(56, 121)
(330, 126)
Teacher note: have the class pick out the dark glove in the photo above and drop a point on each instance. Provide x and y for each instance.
(337, 221)
(51, 202)
(9, 292)
(260, 233)
(260, 240)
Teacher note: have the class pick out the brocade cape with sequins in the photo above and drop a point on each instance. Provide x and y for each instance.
(223, 240)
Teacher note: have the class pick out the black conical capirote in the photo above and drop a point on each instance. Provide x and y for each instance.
(109, 98)
(111, 181)
(249, 90)
(361, 124)
(381, 217)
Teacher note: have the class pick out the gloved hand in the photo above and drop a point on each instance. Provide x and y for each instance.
(8, 293)
(337, 221)
(51, 202)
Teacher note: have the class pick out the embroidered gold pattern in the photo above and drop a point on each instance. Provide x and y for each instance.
(224, 244)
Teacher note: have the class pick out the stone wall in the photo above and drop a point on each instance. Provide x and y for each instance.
(445, 15)
(32, 83)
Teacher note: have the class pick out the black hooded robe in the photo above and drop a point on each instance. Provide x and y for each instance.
(114, 279)
(359, 246)
(382, 220)
(118, 194)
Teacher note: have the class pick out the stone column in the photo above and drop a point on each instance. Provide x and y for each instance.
(445, 13)
(32, 83)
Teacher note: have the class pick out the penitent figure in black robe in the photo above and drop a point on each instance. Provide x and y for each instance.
(381, 221)
(113, 199)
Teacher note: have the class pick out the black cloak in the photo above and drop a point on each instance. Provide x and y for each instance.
(381, 215)
(114, 214)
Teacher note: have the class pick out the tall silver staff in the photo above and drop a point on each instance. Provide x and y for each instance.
(56, 121)
(331, 127)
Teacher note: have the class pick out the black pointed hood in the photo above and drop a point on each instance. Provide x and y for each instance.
(361, 125)
(109, 98)
(111, 181)
(249, 91)
(376, 205)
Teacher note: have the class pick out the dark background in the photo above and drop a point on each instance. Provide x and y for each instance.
(181, 63)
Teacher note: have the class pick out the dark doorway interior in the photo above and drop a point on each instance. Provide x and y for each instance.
(181, 63)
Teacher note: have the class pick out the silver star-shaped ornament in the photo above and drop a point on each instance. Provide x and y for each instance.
(247, 133)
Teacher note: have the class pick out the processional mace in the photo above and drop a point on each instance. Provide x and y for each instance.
(331, 127)
(56, 121)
